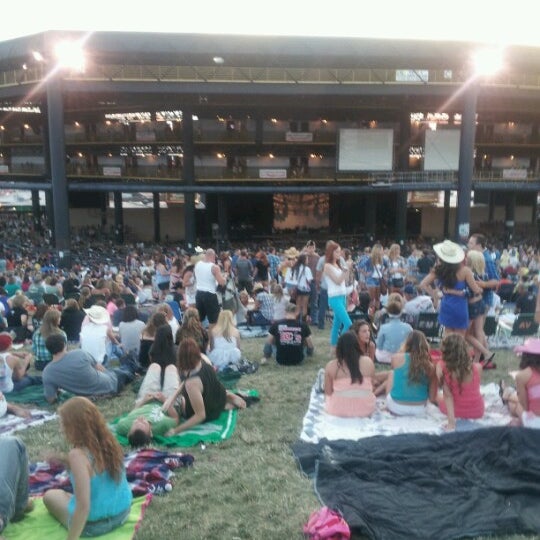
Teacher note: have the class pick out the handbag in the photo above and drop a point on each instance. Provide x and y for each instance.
(326, 524)
(383, 286)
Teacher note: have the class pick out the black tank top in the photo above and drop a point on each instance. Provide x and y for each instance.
(213, 393)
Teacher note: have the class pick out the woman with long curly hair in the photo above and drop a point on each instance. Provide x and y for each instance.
(412, 380)
(193, 328)
(348, 387)
(101, 498)
(460, 378)
(456, 282)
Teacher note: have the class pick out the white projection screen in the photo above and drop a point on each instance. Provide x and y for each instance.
(366, 149)
(441, 150)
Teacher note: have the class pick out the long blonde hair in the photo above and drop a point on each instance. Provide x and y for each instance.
(476, 262)
(49, 323)
(225, 325)
(86, 428)
(376, 254)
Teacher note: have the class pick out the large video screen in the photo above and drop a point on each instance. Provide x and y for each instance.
(441, 150)
(365, 150)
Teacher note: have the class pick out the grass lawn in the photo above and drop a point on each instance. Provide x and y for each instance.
(248, 487)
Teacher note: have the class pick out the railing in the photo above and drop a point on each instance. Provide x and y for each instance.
(252, 174)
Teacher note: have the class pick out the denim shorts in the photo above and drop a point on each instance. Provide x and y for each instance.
(476, 310)
(105, 525)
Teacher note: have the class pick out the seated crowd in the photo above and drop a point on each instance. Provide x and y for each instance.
(179, 320)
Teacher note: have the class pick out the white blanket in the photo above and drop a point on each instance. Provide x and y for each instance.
(11, 423)
(319, 425)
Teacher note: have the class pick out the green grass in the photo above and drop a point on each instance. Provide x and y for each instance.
(248, 487)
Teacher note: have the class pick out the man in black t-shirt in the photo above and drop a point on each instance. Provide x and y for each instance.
(289, 338)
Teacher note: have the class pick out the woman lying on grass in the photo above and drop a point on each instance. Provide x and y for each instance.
(101, 498)
(202, 396)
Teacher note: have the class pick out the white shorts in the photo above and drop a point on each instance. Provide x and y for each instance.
(152, 381)
(400, 409)
(530, 420)
(384, 357)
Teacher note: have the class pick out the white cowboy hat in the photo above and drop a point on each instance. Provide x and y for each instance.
(449, 252)
(98, 314)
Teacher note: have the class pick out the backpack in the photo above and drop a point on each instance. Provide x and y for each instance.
(326, 524)
(229, 297)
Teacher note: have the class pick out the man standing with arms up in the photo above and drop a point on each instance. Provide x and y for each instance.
(207, 278)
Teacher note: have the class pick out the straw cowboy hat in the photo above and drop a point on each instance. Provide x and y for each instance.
(98, 314)
(291, 253)
(449, 252)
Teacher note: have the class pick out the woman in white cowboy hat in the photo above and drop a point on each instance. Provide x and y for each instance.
(456, 282)
(97, 337)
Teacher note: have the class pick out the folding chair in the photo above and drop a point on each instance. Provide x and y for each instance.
(428, 323)
(523, 326)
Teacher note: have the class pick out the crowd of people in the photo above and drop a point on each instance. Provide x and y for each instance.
(178, 319)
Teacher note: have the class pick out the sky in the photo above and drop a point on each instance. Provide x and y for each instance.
(482, 21)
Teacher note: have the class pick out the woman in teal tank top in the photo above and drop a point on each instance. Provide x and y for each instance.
(412, 380)
(101, 499)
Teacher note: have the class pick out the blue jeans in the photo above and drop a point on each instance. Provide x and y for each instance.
(341, 317)
(13, 478)
(323, 306)
(129, 365)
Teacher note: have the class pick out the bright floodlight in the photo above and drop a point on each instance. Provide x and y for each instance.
(488, 61)
(70, 55)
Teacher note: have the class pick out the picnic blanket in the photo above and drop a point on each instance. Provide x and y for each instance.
(457, 485)
(147, 471)
(209, 432)
(317, 424)
(40, 524)
(11, 423)
(30, 394)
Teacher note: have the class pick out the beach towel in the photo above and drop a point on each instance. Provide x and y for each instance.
(209, 432)
(40, 524)
(317, 424)
(11, 423)
(147, 471)
(34, 395)
(418, 486)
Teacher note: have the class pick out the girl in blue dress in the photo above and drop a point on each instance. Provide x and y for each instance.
(454, 283)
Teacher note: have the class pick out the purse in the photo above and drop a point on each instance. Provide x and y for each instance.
(383, 286)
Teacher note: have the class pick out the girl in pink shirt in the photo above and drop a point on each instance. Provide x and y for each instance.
(460, 380)
(524, 401)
